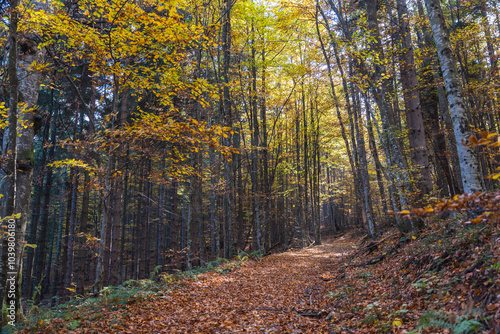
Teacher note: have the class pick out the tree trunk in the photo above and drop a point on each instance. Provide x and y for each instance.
(44, 218)
(57, 272)
(228, 117)
(378, 166)
(468, 161)
(121, 267)
(414, 119)
(24, 85)
(363, 165)
(35, 217)
(82, 247)
(71, 232)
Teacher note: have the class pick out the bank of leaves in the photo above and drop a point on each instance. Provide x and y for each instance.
(441, 279)
(81, 311)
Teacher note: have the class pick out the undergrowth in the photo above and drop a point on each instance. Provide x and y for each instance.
(441, 279)
(440, 320)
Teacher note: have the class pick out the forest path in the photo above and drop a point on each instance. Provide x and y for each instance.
(281, 293)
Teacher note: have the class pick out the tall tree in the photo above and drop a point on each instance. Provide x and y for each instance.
(18, 143)
(413, 106)
(468, 160)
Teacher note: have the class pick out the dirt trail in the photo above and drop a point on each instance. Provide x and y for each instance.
(282, 293)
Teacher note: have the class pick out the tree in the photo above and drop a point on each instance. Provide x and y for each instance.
(468, 161)
(413, 106)
(18, 146)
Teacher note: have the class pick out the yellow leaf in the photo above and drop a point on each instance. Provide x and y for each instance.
(429, 209)
(397, 322)
(405, 212)
(413, 237)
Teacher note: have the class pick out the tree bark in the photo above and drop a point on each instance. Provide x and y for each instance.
(35, 216)
(414, 118)
(468, 161)
(24, 85)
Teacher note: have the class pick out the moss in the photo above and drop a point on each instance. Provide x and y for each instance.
(26, 159)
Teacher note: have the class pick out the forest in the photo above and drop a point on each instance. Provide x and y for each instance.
(145, 139)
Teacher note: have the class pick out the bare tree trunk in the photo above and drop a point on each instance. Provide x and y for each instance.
(414, 119)
(103, 259)
(255, 143)
(298, 171)
(305, 208)
(363, 165)
(24, 85)
(114, 248)
(55, 283)
(433, 110)
(67, 193)
(265, 168)
(44, 218)
(160, 226)
(189, 222)
(175, 217)
(316, 176)
(71, 232)
(228, 116)
(214, 224)
(121, 267)
(35, 216)
(9, 175)
(468, 161)
(379, 169)
(146, 220)
(82, 248)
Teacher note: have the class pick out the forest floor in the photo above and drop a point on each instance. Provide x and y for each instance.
(443, 280)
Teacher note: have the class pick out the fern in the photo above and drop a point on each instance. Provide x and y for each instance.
(466, 326)
(155, 272)
(438, 324)
(440, 320)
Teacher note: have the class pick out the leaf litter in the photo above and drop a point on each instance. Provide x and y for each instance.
(441, 280)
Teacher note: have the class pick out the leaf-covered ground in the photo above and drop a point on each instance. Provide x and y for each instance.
(444, 280)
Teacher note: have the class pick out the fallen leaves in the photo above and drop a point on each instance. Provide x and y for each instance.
(314, 291)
